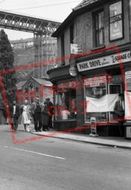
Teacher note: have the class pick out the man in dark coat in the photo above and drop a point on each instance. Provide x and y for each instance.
(50, 108)
(37, 115)
(45, 117)
(15, 113)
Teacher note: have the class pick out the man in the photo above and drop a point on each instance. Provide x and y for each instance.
(37, 115)
(50, 109)
(15, 112)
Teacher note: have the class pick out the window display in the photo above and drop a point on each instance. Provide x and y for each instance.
(94, 93)
(65, 101)
(100, 96)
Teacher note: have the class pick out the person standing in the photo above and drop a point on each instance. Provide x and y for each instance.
(50, 108)
(15, 112)
(26, 117)
(33, 106)
(37, 116)
(45, 117)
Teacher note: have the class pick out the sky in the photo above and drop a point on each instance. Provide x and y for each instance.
(56, 10)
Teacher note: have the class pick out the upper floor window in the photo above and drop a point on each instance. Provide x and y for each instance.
(99, 28)
(116, 21)
(62, 50)
(72, 33)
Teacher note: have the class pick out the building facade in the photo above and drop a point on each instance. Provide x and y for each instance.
(32, 88)
(35, 52)
(93, 67)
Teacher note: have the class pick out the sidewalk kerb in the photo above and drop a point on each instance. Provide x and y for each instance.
(83, 141)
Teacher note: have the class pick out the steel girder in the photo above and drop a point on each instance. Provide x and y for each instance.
(27, 23)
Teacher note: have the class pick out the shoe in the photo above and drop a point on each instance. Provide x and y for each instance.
(13, 130)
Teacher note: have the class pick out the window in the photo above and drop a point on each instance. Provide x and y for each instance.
(101, 96)
(62, 50)
(72, 33)
(65, 101)
(116, 22)
(95, 91)
(99, 28)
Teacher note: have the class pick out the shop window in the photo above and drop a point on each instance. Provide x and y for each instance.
(116, 21)
(100, 97)
(93, 96)
(65, 103)
(95, 90)
(99, 28)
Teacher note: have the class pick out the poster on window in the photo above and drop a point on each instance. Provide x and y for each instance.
(116, 28)
(104, 104)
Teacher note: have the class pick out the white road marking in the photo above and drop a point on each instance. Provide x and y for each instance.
(33, 152)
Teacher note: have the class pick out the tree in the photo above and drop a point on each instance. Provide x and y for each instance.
(6, 64)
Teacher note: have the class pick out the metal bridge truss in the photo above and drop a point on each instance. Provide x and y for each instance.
(40, 28)
(27, 23)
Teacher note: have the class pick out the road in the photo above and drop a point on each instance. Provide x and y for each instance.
(55, 164)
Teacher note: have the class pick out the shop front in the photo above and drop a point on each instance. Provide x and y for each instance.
(64, 95)
(102, 83)
(100, 95)
(104, 86)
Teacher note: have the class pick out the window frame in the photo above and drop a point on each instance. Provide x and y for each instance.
(97, 31)
(72, 33)
(85, 113)
(62, 49)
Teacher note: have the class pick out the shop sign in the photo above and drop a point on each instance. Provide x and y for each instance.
(95, 81)
(75, 49)
(105, 61)
(66, 85)
(93, 127)
(73, 71)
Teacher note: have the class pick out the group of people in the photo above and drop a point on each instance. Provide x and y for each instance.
(36, 112)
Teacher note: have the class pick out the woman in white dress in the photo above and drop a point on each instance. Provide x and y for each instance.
(26, 117)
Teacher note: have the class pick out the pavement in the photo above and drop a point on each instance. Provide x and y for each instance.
(116, 142)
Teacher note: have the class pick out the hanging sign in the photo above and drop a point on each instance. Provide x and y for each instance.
(73, 70)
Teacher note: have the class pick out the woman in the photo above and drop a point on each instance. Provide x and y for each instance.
(26, 117)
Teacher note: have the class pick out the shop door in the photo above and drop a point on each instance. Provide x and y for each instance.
(114, 89)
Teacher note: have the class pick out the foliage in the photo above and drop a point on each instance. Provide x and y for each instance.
(6, 64)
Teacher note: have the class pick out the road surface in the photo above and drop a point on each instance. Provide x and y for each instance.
(55, 164)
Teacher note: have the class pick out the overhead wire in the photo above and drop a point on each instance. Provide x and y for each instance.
(43, 5)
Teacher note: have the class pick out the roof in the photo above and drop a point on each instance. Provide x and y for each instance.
(77, 10)
(85, 3)
(20, 84)
(43, 81)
